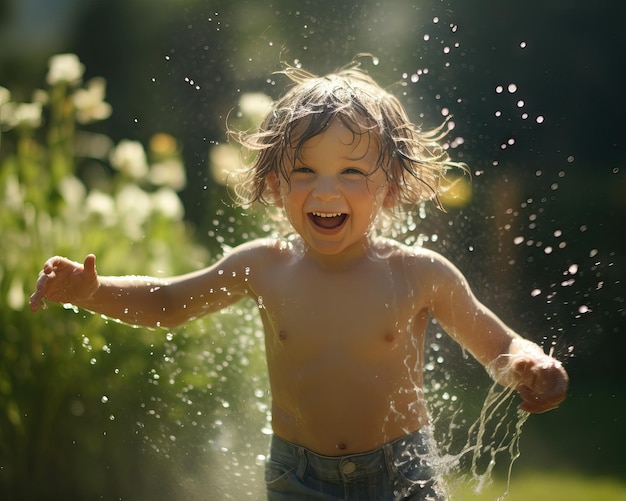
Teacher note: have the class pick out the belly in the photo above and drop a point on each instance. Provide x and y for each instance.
(347, 411)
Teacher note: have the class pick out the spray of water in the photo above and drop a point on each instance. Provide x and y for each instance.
(475, 423)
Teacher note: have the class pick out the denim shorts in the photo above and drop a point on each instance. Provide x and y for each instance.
(398, 470)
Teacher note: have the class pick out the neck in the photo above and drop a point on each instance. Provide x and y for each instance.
(343, 260)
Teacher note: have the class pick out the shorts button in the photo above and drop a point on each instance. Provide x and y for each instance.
(348, 467)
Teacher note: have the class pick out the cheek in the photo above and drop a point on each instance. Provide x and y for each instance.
(292, 201)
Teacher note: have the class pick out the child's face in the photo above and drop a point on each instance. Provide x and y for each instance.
(336, 190)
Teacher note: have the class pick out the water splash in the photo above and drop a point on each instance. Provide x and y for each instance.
(465, 434)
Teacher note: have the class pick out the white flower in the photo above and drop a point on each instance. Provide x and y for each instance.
(89, 102)
(73, 191)
(224, 161)
(21, 114)
(134, 207)
(255, 106)
(165, 201)
(15, 295)
(101, 205)
(169, 173)
(133, 202)
(5, 95)
(64, 68)
(13, 194)
(130, 158)
(6, 114)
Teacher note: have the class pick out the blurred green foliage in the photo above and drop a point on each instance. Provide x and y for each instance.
(90, 408)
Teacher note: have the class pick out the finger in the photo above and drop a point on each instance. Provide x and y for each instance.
(537, 402)
(89, 265)
(36, 299)
(34, 302)
(536, 408)
(52, 264)
(37, 296)
(42, 281)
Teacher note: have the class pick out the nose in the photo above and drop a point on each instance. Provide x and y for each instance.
(326, 189)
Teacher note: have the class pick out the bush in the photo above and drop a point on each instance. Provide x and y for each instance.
(90, 407)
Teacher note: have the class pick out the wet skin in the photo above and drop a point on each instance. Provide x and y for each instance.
(344, 312)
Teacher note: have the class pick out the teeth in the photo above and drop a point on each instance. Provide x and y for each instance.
(327, 214)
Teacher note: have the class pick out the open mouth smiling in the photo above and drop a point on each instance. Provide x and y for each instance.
(328, 220)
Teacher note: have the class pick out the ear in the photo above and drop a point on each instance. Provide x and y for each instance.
(391, 198)
(272, 186)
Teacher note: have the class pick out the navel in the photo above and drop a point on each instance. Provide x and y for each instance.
(282, 335)
(390, 337)
(341, 446)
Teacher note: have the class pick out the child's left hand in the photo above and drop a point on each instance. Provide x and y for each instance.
(541, 382)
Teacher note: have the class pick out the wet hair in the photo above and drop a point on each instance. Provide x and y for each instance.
(413, 160)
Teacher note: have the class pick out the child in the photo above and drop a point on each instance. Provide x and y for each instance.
(344, 309)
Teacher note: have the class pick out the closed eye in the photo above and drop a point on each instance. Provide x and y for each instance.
(354, 171)
(302, 170)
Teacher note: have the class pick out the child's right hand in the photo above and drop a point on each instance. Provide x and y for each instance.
(65, 281)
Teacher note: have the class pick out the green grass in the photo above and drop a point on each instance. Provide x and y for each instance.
(550, 486)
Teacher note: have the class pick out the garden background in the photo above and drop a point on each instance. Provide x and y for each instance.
(123, 155)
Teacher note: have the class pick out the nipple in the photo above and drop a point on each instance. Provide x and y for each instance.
(282, 335)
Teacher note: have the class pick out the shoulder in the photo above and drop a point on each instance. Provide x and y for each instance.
(261, 251)
(418, 262)
(412, 255)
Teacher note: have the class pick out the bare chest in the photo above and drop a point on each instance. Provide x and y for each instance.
(357, 314)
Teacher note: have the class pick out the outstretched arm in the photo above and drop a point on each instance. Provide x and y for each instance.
(141, 300)
(511, 360)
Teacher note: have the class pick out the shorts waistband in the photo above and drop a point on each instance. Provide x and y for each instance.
(351, 466)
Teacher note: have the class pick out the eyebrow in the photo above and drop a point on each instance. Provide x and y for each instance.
(360, 157)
